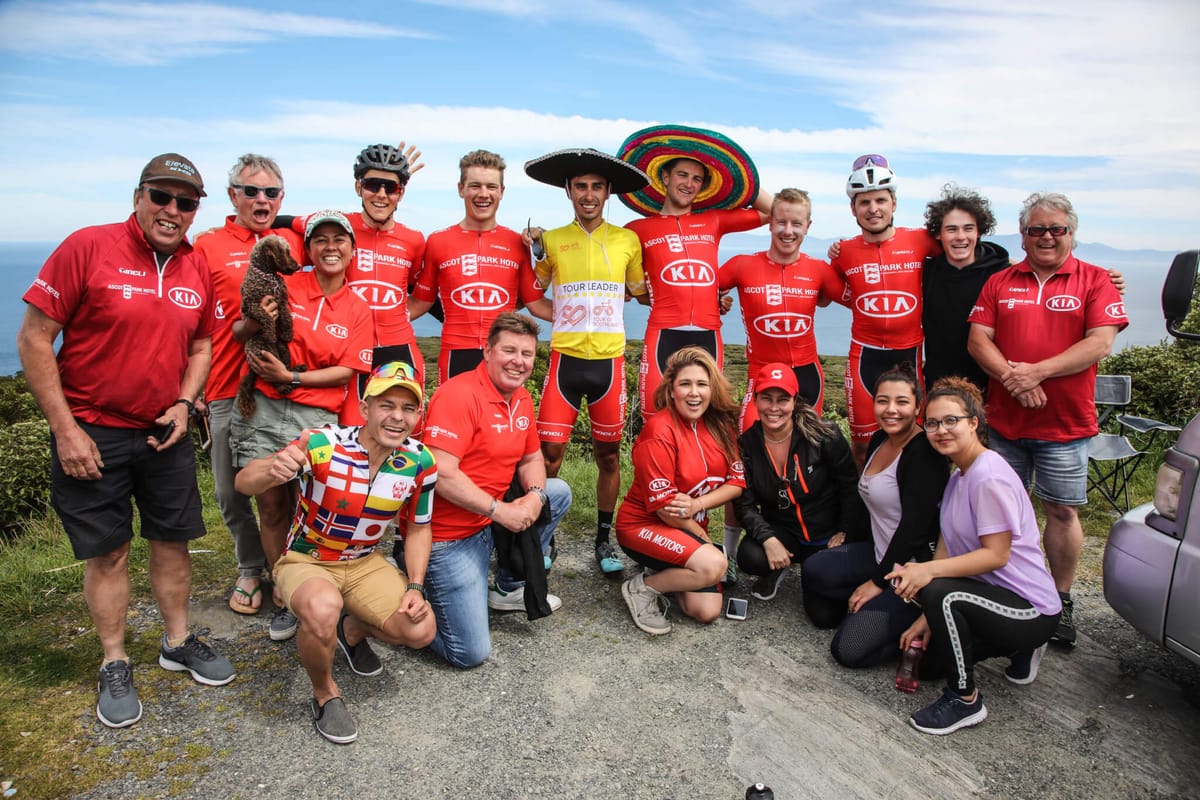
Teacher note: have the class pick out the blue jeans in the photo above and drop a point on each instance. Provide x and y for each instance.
(1057, 471)
(456, 584)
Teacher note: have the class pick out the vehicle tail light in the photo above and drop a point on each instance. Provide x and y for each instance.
(1166, 491)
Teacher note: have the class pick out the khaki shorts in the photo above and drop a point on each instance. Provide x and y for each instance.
(371, 587)
(274, 425)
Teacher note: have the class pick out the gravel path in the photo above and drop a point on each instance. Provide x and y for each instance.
(582, 705)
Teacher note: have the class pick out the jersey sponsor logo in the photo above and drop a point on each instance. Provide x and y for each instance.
(660, 541)
(886, 304)
(774, 295)
(674, 243)
(220, 312)
(366, 260)
(659, 485)
(1063, 302)
(688, 273)
(338, 332)
(185, 297)
(365, 355)
(783, 325)
(47, 288)
(137, 273)
(480, 297)
(1115, 309)
(379, 295)
(469, 264)
(522, 423)
(871, 273)
(737, 469)
(434, 431)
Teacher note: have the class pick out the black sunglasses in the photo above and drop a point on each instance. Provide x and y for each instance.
(252, 191)
(160, 198)
(373, 185)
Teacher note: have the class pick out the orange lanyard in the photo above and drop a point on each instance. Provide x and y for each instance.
(787, 487)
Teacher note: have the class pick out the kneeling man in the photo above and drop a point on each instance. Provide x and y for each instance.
(353, 481)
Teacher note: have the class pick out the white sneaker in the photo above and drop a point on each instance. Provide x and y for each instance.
(500, 600)
(647, 606)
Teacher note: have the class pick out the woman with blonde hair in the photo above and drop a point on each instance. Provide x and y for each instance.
(685, 463)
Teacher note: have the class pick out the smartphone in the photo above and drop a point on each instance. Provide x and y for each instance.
(203, 431)
(163, 432)
(736, 607)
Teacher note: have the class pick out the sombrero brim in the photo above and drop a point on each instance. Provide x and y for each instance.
(560, 166)
(734, 181)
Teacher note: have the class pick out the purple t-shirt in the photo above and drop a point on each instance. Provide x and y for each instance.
(989, 498)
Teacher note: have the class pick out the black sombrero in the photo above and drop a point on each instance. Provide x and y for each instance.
(560, 166)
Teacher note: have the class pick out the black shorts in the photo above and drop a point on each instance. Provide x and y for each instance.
(98, 515)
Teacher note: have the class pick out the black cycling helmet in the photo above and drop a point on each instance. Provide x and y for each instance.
(384, 157)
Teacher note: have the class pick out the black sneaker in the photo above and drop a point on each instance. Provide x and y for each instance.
(949, 713)
(196, 657)
(119, 706)
(607, 558)
(333, 720)
(766, 587)
(1065, 633)
(360, 657)
(283, 625)
(1023, 667)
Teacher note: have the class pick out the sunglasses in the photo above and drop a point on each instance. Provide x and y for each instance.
(186, 205)
(870, 158)
(394, 369)
(271, 192)
(1038, 231)
(372, 185)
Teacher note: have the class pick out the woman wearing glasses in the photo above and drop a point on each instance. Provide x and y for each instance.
(801, 484)
(987, 591)
(901, 484)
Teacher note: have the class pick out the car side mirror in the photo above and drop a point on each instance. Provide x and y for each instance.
(1177, 293)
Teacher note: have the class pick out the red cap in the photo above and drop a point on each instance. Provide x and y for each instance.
(776, 375)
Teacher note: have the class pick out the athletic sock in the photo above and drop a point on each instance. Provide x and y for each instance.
(604, 521)
(730, 541)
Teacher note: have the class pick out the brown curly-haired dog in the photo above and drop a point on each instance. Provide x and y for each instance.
(270, 260)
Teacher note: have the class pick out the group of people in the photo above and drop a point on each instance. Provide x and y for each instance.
(340, 443)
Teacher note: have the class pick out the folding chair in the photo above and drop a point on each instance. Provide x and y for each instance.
(1112, 458)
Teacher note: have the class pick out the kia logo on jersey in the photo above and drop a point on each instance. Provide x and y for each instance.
(688, 273)
(220, 312)
(1063, 302)
(338, 332)
(659, 485)
(1115, 310)
(185, 298)
(365, 355)
(522, 423)
(470, 265)
(886, 305)
(480, 297)
(379, 295)
(783, 326)
(674, 243)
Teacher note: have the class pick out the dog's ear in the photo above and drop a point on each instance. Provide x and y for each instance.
(272, 255)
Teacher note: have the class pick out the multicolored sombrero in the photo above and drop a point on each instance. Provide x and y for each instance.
(560, 166)
(734, 181)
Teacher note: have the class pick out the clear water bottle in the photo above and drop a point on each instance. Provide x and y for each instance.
(759, 792)
(910, 660)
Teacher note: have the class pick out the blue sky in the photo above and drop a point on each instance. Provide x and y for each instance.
(1097, 99)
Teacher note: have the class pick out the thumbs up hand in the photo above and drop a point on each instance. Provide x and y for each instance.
(288, 462)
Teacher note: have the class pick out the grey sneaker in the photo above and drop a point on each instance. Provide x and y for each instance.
(360, 657)
(333, 720)
(500, 600)
(119, 706)
(766, 587)
(647, 606)
(196, 657)
(283, 625)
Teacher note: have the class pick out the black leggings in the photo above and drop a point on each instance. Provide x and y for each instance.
(970, 621)
(752, 557)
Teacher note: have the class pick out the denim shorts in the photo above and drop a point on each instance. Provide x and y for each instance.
(1057, 471)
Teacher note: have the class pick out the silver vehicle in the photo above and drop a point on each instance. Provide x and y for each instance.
(1152, 559)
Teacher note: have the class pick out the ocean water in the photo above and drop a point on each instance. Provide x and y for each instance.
(1144, 272)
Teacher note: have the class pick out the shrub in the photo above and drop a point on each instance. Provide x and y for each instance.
(1165, 378)
(16, 403)
(25, 454)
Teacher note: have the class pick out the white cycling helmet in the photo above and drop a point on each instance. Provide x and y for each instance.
(871, 172)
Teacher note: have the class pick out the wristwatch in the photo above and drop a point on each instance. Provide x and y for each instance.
(540, 492)
(295, 379)
(420, 587)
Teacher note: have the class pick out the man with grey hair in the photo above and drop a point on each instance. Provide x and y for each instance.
(256, 191)
(1038, 330)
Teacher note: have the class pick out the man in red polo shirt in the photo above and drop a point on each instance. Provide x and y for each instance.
(135, 307)
(256, 191)
(1038, 330)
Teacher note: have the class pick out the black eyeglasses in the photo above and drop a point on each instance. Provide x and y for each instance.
(373, 185)
(1038, 231)
(949, 423)
(271, 192)
(186, 205)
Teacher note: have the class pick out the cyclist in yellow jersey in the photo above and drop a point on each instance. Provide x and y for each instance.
(593, 268)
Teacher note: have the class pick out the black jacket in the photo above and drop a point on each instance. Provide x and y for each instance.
(922, 474)
(949, 295)
(831, 503)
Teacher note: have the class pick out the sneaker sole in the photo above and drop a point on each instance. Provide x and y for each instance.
(966, 722)
(631, 605)
(350, 662)
(335, 739)
(1034, 663)
(774, 589)
(284, 635)
(175, 666)
(611, 566)
(124, 724)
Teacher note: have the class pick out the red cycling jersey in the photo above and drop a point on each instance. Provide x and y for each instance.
(679, 256)
(478, 274)
(883, 287)
(127, 327)
(385, 265)
(227, 251)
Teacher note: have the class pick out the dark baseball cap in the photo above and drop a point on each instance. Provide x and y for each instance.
(173, 167)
